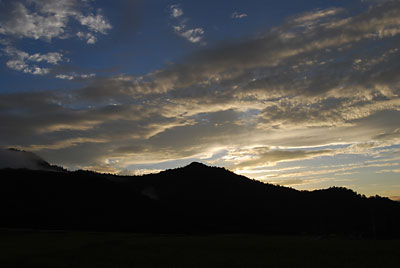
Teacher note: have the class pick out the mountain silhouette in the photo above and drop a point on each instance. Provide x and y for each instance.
(192, 199)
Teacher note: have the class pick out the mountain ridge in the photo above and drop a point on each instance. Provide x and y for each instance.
(194, 198)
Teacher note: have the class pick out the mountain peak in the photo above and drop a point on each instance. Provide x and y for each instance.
(196, 164)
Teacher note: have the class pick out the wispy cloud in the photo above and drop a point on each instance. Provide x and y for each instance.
(193, 35)
(304, 175)
(74, 75)
(238, 15)
(388, 171)
(176, 11)
(264, 156)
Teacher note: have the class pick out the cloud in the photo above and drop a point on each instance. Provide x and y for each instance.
(315, 16)
(95, 23)
(193, 35)
(43, 19)
(73, 75)
(175, 11)
(22, 61)
(17, 20)
(46, 20)
(89, 37)
(314, 173)
(286, 47)
(395, 198)
(10, 158)
(264, 156)
(388, 171)
(238, 15)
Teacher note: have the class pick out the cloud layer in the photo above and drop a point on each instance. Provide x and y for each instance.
(296, 92)
(46, 20)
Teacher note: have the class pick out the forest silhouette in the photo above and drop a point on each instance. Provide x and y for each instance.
(192, 199)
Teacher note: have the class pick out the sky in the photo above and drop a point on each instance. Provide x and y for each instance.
(303, 94)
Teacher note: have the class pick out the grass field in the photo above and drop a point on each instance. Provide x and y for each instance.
(28, 248)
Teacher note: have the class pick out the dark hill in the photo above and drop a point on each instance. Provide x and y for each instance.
(195, 198)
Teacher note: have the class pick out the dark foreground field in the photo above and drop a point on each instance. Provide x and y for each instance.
(26, 248)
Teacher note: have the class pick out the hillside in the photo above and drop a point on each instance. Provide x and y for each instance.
(192, 199)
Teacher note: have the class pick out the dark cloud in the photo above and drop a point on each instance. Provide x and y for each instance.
(10, 158)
